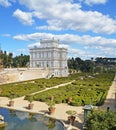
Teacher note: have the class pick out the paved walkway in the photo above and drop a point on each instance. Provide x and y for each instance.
(111, 97)
(41, 107)
(57, 86)
(60, 113)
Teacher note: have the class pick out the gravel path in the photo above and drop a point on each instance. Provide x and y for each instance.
(40, 107)
(111, 97)
(60, 113)
(57, 86)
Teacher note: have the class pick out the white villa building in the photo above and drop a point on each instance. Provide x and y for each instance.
(50, 56)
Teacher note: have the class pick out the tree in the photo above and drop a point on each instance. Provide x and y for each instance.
(10, 59)
(75, 63)
(21, 61)
(101, 120)
(7, 60)
(87, 66)
(71, 63)
(1, 64)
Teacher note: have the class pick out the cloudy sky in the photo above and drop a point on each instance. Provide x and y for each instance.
(86, 27)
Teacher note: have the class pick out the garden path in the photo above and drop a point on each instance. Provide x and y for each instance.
(111, 97)
(60, 113)
(57, 86)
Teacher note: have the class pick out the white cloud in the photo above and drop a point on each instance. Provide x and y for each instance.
(20, 51)
(74, 52)
(52, 27)
(86, 40)
(33, 36)
(5, 3)
(72, 17)
(92, 2)
(82, 46)
(69, 39)
(24, 17)
(100, 51)
(64, 46)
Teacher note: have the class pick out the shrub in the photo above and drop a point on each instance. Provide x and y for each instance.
(101, 120)
(81, 90)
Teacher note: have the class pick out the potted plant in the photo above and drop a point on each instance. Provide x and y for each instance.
(51, 105)
(69, 100)
(52, 98)
(72, 116)
(11, 102)
(30, 105)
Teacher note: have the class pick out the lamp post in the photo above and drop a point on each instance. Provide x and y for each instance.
(87, 109)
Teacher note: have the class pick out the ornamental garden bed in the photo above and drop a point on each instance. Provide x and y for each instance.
(24, 88)
(88, 91)
(92, 88)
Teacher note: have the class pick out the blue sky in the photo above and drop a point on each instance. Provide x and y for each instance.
(86, 27)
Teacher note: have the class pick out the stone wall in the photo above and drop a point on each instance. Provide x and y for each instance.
(22, 74)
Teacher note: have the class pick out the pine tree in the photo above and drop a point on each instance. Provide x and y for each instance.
(1, 64)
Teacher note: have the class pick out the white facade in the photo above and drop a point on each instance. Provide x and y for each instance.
(50, 56)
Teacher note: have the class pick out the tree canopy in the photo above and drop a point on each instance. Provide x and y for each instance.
(92, 65)
(7, 60)
(101, 119)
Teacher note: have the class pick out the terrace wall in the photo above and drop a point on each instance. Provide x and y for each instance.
(22, 74)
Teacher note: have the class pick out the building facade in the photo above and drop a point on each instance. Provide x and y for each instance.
(50, 56)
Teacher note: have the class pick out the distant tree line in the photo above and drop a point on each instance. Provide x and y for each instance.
(80, 65)
(7, 60)
(93, 65)
(74, 64)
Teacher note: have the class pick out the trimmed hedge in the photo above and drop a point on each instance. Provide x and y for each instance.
(88, 91)
(28, 87)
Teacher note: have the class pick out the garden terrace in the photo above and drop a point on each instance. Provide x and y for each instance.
(87, 90)
(19, 89)
(14, 90)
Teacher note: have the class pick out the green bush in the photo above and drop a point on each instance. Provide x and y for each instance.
(87, 91)
(101, 120)
(90, 90)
